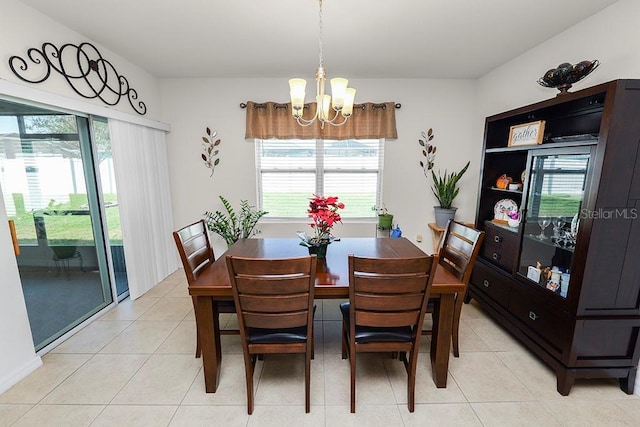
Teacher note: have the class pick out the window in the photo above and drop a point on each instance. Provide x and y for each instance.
(290, 171)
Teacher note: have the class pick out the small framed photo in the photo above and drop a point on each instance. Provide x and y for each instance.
(526, 134)
(533, 274)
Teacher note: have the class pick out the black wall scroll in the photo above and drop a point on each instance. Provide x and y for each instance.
(83, 67)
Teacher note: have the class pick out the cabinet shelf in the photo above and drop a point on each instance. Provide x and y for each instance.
(501, 226)
(506, 190)
(548, 241)
(555, 296)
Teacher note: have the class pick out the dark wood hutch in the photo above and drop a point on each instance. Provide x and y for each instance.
(566, 280)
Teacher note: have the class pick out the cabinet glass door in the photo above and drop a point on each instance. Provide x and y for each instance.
(555, 194)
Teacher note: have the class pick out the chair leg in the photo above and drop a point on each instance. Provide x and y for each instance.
(352, 360)
(81, 262)
(403, 358)
(411, 380)
(198, 348)
(456, 325)
(307, 382)
(313, 342)
(345, 344)
(248, 373)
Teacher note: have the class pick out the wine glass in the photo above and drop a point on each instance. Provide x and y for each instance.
(543, 222)
(558, 223)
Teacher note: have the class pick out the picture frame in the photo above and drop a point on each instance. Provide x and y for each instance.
(526, 134)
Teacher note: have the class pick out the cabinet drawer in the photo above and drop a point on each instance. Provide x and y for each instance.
(491, 283)
(500, 246)
(548, 322)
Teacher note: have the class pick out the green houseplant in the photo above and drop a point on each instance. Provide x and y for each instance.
(444, 185)
(385, 219)
(231, 226)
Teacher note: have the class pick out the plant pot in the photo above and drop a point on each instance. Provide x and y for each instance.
(385, 221)
(444, 215)
(319, 250)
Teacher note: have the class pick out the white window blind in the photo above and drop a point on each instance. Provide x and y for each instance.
(290, 171)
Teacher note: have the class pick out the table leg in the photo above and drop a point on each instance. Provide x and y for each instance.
(441, 338)
(209, 330)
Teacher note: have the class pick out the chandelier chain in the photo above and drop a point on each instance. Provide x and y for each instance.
(320, 34)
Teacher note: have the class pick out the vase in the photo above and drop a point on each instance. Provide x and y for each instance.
(444, 215)
(319, 250)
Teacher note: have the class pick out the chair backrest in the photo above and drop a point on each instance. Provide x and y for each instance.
(194, 248)
(385, 292)
(273, 293)
(459, 250)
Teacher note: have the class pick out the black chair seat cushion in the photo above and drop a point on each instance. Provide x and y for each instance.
(376, 334)
(226, 304)
(278, 336)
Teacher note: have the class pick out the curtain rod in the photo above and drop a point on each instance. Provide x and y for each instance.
(375, 106)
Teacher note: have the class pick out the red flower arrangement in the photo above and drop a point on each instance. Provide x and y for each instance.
(324, 213)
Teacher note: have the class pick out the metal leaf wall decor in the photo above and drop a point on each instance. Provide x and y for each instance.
(210, 150)
(83, 67)
(428, 151)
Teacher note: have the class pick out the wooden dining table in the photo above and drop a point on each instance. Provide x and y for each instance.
(332, 282)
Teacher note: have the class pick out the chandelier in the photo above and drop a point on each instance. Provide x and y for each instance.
(340, 100)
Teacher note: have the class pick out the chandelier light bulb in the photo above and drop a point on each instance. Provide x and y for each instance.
(350, 95)
(338, 92)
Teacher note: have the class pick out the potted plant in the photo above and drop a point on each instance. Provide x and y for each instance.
(445, 186)
(231, 226)
(385, 219)
(324, 213)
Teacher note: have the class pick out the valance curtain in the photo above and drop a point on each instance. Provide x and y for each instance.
(142, 177)
(369, 121)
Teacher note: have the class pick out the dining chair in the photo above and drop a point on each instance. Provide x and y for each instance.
(457, 255)
(385, 312)
(197, 255)
(274, 298)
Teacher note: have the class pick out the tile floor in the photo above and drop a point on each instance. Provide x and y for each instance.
(135, 367)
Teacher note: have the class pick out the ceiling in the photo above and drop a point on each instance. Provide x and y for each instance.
(279, 38)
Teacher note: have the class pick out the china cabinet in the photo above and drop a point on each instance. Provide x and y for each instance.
(564, 278)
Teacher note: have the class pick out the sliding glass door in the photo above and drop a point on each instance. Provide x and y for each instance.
(50, 174)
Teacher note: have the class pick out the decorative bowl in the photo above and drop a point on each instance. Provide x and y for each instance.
(564, 75)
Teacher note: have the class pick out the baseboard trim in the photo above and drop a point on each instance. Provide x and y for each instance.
(15, 377)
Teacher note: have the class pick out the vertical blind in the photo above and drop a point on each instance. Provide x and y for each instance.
(142, 177)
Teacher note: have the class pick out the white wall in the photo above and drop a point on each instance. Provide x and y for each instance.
(193, 104)
(17, 358)
(22, 28)
(610, 36)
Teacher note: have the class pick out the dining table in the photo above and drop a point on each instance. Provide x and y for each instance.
(332, 282)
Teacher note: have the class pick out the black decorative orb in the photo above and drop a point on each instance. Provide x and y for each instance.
(565, 74)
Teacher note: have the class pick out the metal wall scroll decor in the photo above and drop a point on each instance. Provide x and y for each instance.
(83, 67)
(209, 150)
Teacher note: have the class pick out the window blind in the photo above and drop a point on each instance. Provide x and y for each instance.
(290, 171)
